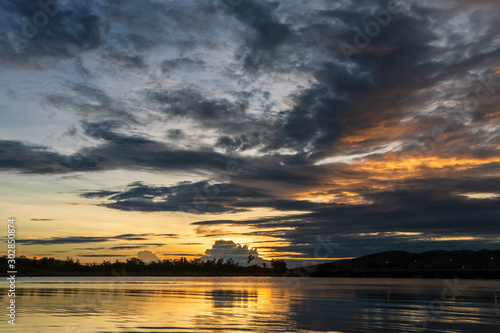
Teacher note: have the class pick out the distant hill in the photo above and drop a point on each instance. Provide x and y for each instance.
(430, 259)
(431, 264)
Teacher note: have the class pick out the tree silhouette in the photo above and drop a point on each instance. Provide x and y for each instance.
(134, 266)
(278, 265)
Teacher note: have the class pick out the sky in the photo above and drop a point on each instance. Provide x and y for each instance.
(296, 130)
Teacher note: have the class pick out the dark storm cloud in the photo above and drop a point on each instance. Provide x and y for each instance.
(88, 239)
(198, 198)
(107, 131)
(427, 209)
(330, 108)
(167, 235)
(327, 110)
(61, 33)
(125, 61)
(192, 104)
(98, 194)
(239, 143)
(279, 174)
(28, 158)
(67, 29)
(89, 248)
(279, 204)
(181, 63)
(404, 210)
(175, 134)
(268, 33)
(101, 255)
(127, 247)
(92, 103)
(71, 132)
(121, 152)
(385, 74)
(108, 119)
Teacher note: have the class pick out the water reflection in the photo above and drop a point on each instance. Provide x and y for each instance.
(231, 298)
(252, 304)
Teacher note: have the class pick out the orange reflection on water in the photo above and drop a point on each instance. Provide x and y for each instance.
(251, 304)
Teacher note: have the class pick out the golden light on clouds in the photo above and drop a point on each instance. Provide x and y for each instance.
(391, 234)
(343, 197)
(387, 130)
(481, 195)
(418, 166)
(448, 239)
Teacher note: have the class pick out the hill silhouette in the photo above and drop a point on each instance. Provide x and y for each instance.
(431, 264)
(431, 259)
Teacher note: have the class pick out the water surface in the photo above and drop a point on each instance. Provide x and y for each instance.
(252, 304)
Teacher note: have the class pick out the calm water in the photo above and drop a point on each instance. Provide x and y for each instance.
(252, 304)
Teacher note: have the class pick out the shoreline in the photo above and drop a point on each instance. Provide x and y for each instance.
(484, 274)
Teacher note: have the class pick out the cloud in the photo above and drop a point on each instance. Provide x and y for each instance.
(147, 256)
(142, 154)
(74, 29)
(420, 214)
(189, 103)
(98, 194)
(89, 248)
(20, 156)
(183, 254)
(42, 219)
(100, 255)
(228, 249)
(128, 247)
(386, 140)
(269, 32)
(89, 239)
(327, 117)
(201, 197)
(178, 63)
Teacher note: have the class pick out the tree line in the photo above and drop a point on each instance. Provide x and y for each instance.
(168, 267)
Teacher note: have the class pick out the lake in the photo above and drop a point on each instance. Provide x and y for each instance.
(252, 304)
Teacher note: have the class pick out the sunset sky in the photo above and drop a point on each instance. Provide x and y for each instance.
(306, 129)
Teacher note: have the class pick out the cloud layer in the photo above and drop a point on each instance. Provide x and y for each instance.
(375, 122)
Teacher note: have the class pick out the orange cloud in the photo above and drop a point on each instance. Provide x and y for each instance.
(415, 166)
(342, 197)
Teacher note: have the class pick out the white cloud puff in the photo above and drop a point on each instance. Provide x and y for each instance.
(147, 256)
(227, 249)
